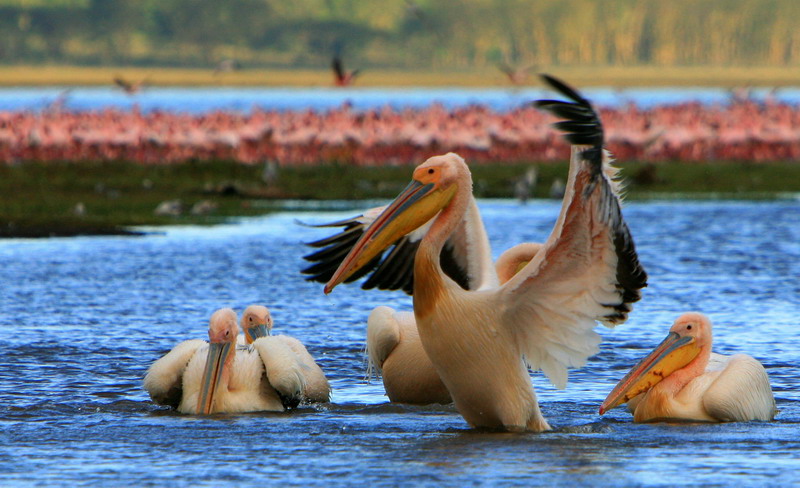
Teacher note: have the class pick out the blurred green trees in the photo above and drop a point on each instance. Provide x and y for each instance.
(401, 33)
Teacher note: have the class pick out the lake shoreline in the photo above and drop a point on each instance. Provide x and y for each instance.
(113, 198)
(581, 75)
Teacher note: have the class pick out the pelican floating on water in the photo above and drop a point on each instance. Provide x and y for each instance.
(683, 380)
(481, 342)
(214, 377)
(257, 324)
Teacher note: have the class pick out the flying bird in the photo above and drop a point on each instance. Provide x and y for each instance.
(683, 380)
(129, 87)
(517, 75)
(482, 342)
(340, 76)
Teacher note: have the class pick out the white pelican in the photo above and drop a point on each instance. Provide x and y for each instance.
(682, 379)
(257, 325)
(196, 377)
(481, 342)
(393, 344)
(395, 349)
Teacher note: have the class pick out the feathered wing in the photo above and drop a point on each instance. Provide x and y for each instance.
(466, 256)
(588, 269)
(741, 392)
(282, 367)
(383, 335)
(164, 378)
(317, 389)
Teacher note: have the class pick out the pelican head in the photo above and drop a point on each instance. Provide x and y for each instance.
(256, 322)
(688, 336)
(222, 332)
(432, 187)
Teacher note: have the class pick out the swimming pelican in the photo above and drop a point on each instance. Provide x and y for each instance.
(195, 377)
(481, 342)
(682, 379)
(257, 325)
(395, 350)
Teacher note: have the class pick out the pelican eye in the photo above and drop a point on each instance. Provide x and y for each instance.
(430, 171)
(688, 327)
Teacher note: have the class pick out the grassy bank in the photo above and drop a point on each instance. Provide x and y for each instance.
(620, 76)
(105, 198)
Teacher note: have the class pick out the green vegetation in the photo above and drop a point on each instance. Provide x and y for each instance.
(401, 34)
(41, 199)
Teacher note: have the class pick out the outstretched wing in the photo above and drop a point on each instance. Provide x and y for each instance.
(588, 269)
(465, 257)
(338, 70)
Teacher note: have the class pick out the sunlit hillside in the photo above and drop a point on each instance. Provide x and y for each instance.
(401, 34)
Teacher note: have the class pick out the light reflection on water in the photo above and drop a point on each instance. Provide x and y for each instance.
(83, 318)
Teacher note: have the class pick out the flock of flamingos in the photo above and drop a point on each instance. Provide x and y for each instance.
(744, 129)
(478, 326)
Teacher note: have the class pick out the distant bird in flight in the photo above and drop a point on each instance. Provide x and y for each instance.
(128, 86)
(226, 66)
(517, 75)
(341, 77)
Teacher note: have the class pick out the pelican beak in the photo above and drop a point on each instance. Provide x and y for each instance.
(417, 204)
(253, 333)
(212, 376)
(672, 354)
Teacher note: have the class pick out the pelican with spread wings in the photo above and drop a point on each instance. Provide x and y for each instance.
(481, 342)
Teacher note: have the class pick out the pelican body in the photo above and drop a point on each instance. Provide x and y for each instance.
(220, 376)
(683, 380)
(481, 342)
(393, 345)
(396, 351)
(257, 325)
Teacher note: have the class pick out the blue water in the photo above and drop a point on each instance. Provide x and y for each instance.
(83, 318)
(204, 99)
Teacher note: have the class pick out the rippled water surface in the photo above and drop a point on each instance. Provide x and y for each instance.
(83, 318)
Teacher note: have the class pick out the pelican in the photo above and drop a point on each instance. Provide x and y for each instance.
(682, 379)
(196, 377)
(482, 342)
(395, 350)
(393, 345)
(257, 325)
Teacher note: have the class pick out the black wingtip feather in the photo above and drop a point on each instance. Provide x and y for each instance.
(564, 89)
(582, 125)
